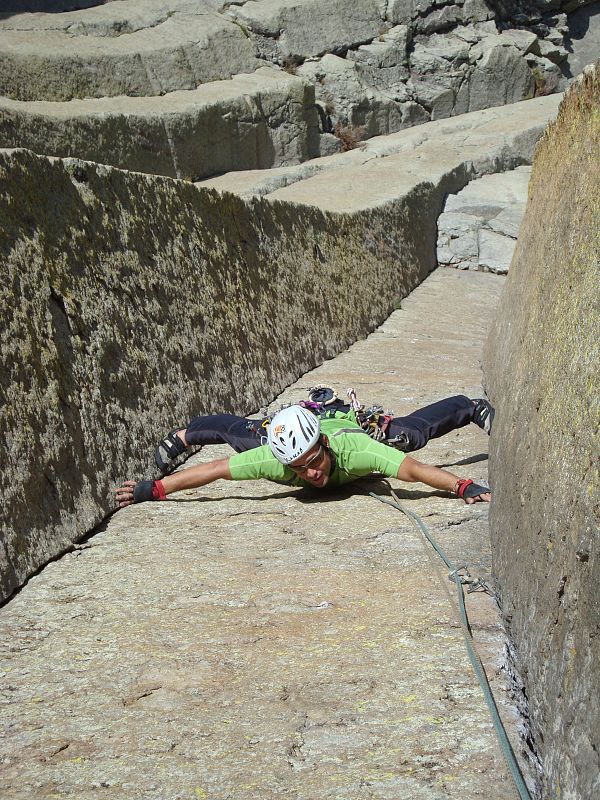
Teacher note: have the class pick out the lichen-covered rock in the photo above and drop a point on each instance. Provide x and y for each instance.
(542, 365)
(131, 302)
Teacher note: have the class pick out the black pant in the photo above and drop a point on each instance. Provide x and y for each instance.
(414, 430)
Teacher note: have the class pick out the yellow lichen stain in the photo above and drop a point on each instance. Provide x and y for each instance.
(409, 698)
(445, 779)
(77, 760)
(200, 793)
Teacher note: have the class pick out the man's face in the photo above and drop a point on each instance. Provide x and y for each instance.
(314, 467)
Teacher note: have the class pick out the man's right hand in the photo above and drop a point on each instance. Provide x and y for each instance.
(124, 494)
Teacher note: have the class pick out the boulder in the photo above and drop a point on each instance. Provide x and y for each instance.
(441, 19)
(480, 224)
(344, 92)
(547, 75)
(495, 251)
(525, 41)
(500, 76)
(400, 12)
(474, 11)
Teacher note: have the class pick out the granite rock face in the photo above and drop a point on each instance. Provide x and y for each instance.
(133, 47)
(249, 641)
(255, 121)
(131, 302)
(542, 365)
(77, 81)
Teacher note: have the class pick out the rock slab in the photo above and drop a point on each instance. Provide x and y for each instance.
(253, 121)
(247, 640)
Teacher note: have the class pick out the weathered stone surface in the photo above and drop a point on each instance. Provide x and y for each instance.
(583, 39)
(244, 640)
(304, 28)
(124, 48)
(155, 47)
(501, 72)
(522, 40)
(440, 20)
(436, 158)
(265, 119)
(542, 369)
(344, 91)
(547, 75)
(132, 301)
(480, 224)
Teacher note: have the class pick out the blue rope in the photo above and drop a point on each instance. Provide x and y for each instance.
(509, 755)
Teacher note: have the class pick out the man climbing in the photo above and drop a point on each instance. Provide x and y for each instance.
(312, 445)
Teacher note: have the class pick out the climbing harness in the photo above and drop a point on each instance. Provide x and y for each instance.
(460, 575)
(324, 402)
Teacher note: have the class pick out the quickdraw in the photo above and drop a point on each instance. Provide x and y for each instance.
(374, 420)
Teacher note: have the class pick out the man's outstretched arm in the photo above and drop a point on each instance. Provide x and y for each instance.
(190, 478)
(413, 471)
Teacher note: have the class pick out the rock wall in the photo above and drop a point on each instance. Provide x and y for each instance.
(542, 365)
(131, 302)
(166, 86)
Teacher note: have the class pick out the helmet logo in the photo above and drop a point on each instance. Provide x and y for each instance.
(278, 430)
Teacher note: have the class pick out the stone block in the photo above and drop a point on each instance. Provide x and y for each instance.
(305, 28)
(439, 20)
(477, 11)
(495, 251)
(48, 57)
(439, 100)
(524, 41)
(253, 121)
(499, 77)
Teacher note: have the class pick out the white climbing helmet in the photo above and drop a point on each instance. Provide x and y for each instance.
(292, 432)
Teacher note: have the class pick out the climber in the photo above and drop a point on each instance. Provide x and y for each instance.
(408, 433)
(308, 449)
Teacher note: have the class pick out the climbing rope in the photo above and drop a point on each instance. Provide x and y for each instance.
(460, 575)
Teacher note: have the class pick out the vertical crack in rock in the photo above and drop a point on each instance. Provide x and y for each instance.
(518, 693)
(172, 148)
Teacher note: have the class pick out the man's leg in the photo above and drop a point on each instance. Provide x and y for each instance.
(238, 432)
(415, 430)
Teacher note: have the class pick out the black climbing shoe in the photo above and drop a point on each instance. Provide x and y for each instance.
(483, 415)
(167, 451)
